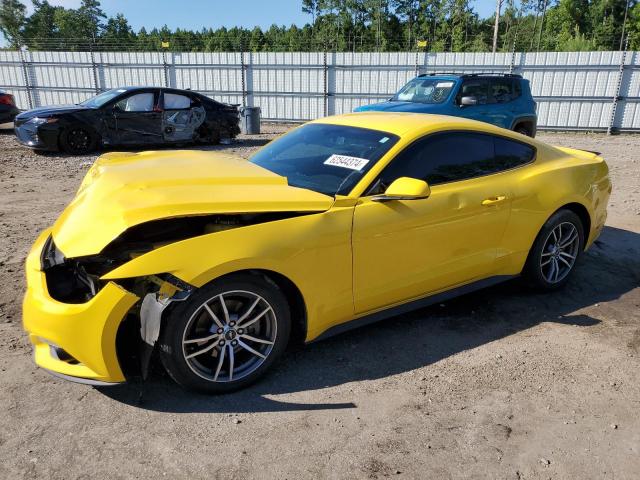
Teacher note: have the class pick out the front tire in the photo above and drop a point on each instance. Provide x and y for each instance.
(226, 335)
(555, 251)
(78, 140)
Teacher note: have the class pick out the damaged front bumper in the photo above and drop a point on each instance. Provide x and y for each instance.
(74, 340)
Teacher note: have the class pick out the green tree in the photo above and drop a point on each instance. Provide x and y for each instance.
(12, 21)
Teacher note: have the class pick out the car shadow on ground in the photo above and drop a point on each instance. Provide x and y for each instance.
(401, 344)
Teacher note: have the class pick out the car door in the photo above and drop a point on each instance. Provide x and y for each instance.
(137, 119)
(502, 107)
(182, 116)
(405, 249)
(477, 88)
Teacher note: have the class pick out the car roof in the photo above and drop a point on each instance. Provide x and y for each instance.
(469, 75)
(151, 87)
(410, 123)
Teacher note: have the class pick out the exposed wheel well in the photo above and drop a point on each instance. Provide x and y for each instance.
(583, 215)
(526, 124)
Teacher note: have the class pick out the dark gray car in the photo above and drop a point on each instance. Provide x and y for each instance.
(133, 116)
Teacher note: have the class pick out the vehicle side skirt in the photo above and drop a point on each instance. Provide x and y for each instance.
(412, 305)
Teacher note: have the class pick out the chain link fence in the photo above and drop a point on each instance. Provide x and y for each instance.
(596, 91)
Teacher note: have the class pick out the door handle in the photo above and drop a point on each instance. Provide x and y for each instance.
(493, 200)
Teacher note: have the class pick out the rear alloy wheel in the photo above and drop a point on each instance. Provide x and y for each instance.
(227, 335)
(78, 140)
(556, 251)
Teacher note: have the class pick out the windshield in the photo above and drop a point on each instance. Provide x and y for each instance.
(425, 90)
(100, 100)
(329, 159)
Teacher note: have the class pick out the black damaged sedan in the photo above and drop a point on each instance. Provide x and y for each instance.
(134, 116)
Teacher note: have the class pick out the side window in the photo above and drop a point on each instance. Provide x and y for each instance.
(451, 157)
(141, 102)
(510, 154)
(517, 89)
(478, 88)
(173, 101)
(502, 90)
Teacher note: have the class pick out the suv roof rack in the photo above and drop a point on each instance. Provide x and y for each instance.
(458, 74)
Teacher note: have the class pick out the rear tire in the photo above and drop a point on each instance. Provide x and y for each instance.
(521, 129)
(226, 335)
(78, 140)
(555, 252)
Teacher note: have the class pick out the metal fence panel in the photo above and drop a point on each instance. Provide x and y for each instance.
(574, 90)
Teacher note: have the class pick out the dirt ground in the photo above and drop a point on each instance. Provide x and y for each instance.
(500, 384)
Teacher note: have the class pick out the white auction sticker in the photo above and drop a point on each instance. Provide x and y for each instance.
(344, 161)
(444, 84)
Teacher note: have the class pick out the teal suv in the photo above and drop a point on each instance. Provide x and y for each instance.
(501, 99)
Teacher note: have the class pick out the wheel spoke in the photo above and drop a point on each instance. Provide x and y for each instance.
(565, 254)
(220, 362)
(203, 339)
(231, 360)
(551, 271)
(213, 315)
(258, 340)
(555, 236)
(248, 312)
(546, 254)
(255, 319)
(200, 352)
(557, 269)
(546, 263)
(564, 261)
(249, 349)
(224, 309)
(572, 238)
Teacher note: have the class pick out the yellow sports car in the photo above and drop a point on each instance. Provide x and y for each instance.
(216, 263)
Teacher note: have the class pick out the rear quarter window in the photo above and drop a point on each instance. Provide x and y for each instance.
(511, 154)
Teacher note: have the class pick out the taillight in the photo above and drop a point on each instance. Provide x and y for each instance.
(7, 99)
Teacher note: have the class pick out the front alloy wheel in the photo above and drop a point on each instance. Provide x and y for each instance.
(227, 335)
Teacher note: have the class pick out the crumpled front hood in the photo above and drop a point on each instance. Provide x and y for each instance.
(126, 189)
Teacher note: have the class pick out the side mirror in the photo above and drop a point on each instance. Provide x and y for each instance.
(404, 188)
(468, 101)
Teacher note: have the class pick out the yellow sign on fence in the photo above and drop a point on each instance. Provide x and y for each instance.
(422, 43)
(165, 44)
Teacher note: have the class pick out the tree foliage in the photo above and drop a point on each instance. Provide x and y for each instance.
(344, 25)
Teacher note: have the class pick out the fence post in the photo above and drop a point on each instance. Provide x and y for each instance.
(325, 81)
(25, 73)
(243, 72)
(94, 69)
(165, 66)
(617, 97)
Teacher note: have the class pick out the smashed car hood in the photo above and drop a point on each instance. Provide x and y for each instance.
(126, 189)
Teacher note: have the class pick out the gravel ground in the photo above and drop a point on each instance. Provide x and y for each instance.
(500, 384)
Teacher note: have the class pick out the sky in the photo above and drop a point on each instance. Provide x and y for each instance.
(195, 14)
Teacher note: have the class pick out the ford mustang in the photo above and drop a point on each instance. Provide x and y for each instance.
(213, 264)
